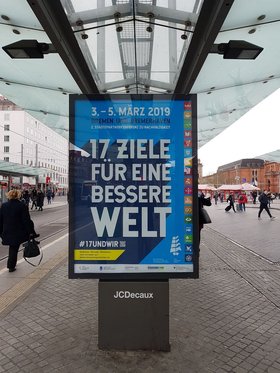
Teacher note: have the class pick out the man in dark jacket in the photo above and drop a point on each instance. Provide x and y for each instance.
(40, 199)
(230, 199)
(16, 226)
(263, 199)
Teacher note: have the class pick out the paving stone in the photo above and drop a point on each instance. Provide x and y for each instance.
(272, 370)
(226, 321)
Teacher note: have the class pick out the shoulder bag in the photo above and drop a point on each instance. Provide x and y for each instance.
(31, 249)
(205, 218)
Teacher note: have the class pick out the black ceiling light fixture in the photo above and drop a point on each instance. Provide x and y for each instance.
(151, 17)
(119, 27)
(237, 50)
(28, 49)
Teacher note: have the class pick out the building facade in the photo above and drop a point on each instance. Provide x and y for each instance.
(27, 141)
(258, 172)
(272, 176)
(249, 170)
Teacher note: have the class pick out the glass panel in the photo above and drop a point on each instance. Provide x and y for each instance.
(169, 51)
(155, 53)
(187, 6)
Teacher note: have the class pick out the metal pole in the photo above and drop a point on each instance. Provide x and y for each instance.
(36, 155)
(21, 154)
(21, 177)
(101, 46)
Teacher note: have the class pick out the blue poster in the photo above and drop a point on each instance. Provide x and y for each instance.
(132, 187)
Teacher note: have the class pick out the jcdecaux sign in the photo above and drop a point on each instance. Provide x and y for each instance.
(130, 295)
(133, 187)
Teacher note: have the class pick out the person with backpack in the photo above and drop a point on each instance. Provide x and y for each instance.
(263, 199)
(242, 199)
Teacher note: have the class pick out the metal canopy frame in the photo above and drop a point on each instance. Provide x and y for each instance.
(63, 28)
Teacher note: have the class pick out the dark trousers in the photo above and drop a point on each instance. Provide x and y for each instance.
(12, 259)
(264, 207)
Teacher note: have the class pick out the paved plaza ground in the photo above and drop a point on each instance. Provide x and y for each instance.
(228, 320)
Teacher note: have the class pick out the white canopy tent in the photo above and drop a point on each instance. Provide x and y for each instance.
(206, 187)
(238, 187)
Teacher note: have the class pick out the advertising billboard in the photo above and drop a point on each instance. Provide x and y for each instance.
(133, 187)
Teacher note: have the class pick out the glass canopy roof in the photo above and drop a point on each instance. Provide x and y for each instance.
(140, 46)
(15, 169)
(144, 37)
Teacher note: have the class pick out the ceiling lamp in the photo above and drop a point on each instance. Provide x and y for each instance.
(151, 17)
(119, 27)
(28, 49)
(237, 49)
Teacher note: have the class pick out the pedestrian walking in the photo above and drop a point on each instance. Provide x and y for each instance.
(16, 226)
(34, 198)
(230, 199)
(254, 196)
(263, 199)
(26, 197)
(270, 197)
(49, 196)
(40, 199)
(216, 197)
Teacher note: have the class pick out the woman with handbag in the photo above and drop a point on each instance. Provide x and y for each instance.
(16, 226)
(203, 217)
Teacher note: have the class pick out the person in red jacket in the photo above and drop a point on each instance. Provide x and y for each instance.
(242, 200)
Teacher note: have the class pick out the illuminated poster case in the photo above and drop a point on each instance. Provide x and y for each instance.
(133, 187)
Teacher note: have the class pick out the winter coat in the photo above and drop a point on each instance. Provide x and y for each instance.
(40, 199)
(263, 199)
(230, 199)
(202, 201)
(15, 223)
(242, 199)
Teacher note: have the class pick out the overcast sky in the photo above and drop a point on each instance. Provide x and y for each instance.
(254, 134)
